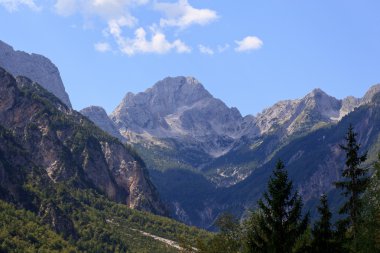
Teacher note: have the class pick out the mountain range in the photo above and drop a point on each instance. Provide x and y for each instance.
(68, 186)
(199, 158)
(199, 151)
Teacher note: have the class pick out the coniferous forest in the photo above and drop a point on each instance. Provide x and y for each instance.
(280, 224)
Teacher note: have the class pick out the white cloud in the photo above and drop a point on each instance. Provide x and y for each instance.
(66, 7)
(117, 15)
(102, 47)
(106, 9)
(157, 44)
(205, 50)
(249, 43)
(183, 15)
(13, 5)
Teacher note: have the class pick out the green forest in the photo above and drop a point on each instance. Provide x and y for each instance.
(279, 223)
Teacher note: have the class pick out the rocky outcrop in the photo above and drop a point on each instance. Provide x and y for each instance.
(370, 94)
(36, 67)
(99, 116)
(182, 109)
(301, 115)
(71, 148)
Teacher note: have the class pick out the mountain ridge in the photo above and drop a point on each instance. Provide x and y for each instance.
(256, 141)
(36, 67)
(70, 147)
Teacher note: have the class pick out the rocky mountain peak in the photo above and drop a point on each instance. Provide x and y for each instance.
(317, 91)
(371, 93)
(319, 96)
(36, 67)
(165, 97)
(4, 47)
(179, 90)
(181, 108)
(99, 116)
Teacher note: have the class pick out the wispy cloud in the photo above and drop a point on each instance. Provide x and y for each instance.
(122, 28)
(102, 47)
(14, 5)
(183, 15)
(157, 43)
(249, 43)
(105, 9)
(205, 50)
(117, 14)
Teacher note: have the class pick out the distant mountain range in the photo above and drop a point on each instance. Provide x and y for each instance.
(203, 157)
(180, 115)
(189, 139)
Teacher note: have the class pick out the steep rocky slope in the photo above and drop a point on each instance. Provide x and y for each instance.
(178, 124)
(295, 116)
(99, 116)
(314, 161)
(181, 109)
(36, 67)
(69, 147)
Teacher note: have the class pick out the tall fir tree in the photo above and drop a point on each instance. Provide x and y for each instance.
(323, 234)
(369, 228)
(278, 223)
(376, 195)
(354, 183)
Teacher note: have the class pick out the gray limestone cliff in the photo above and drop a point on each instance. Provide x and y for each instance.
(99, 116)
(36, 67)
(69, 147)
(182, 109)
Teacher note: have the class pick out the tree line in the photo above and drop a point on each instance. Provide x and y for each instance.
(279, 224)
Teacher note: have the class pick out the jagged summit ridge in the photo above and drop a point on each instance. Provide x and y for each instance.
(36, 67)
(294, 115)
(370, 94)
(166, 96)
(181, 108)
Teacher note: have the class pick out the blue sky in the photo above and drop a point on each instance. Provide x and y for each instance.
(248, 53)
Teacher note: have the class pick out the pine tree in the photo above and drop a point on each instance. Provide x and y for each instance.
(323, 235)
(354, 183)
(278, 222)
(376, 187)
(369, 228)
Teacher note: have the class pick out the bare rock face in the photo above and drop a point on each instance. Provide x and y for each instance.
(99, 116)
(300, 115)
(370, 94)
(36, 67)
(180, 108)
(70, 147)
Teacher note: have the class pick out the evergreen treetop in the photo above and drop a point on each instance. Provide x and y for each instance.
(355, 180)
(279, 221)
(323, 234)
